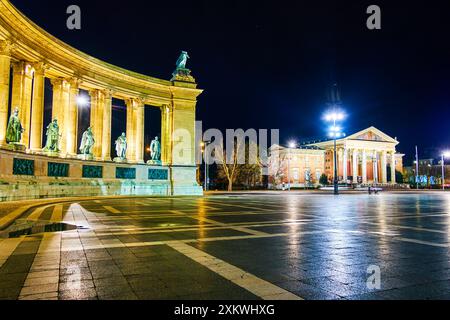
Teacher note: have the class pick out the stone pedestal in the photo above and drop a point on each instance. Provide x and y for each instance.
(86, 157)
(120, 160)
(14, 147)
(154, 162)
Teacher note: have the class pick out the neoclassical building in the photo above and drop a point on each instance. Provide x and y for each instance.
(366, 157)
(29, 55)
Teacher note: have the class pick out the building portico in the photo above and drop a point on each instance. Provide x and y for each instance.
(363, 157)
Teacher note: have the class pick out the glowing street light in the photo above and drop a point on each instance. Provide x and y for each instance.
(82, 100)
(335, 132)
(445, 154)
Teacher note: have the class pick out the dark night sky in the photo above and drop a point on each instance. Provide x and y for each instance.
(268, 64)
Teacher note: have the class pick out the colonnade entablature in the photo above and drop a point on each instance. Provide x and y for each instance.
(29, 55)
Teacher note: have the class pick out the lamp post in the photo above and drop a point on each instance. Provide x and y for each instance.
(291, 145)
(335, 132)
(444, 155)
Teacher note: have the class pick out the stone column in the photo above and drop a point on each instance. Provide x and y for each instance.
(355, 166)
(166, 133)
(375, 167)
(383, 167)
(37, 112)
(106, 138)
(5, 69)
(364, 166)
(60, 108)
(393, 167)
(71, 131)
(21, 96)
(97, 103)
(344, 163)
(131, 156)
(139, 115)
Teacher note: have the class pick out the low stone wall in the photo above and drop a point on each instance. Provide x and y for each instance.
(30, 176)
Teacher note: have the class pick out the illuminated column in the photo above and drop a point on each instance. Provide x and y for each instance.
(393, 167)
(60, 109)
(355, 166)
(37, 112)
(383, 167)
(375, 167)
(139, 115)
(72, 118)
(364, 166)
(5, 68)
(21, 96)
(131, 156)
(344, 168)
(106, 137)
(97, 103)
(166, 133)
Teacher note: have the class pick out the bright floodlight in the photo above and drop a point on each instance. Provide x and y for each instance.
(446, 154)
(292, 144)
(82, 100)
(334, 116)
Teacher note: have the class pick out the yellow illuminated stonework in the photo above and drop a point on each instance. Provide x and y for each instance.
(29, 55)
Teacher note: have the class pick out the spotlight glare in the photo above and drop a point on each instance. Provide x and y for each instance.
(82, 100)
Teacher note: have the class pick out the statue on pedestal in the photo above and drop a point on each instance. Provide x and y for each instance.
(87, 143)
(14, 129)
(121, 147)
(155, 152)
(52, 143)
(182, 60)
(181, 73)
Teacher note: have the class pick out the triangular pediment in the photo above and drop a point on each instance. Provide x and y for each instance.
(371, 134)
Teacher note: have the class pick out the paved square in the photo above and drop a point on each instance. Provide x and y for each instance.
(236, 246)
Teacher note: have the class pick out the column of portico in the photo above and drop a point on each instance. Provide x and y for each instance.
(71, 125)
(97, 103)
(393, 167)
(139, 115)
(345, 165)
(131, 146)
(106, 136)
(5, 69)
(364, 166)
(375, 167)
(339, 161)
(37, 112)
(21, 96)
(355, 166)
(383, 167)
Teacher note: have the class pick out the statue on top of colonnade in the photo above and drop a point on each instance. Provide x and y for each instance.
(181, 73)
(14, 129)
(87, 143)
(52, 143)
(121, 147)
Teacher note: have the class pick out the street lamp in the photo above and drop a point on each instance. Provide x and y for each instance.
(334, 117)
(82, 100)
(291, 145)
(445, 154)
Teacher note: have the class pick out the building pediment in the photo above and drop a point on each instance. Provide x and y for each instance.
(372, 134)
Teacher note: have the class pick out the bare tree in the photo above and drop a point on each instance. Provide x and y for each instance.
(229, 170)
